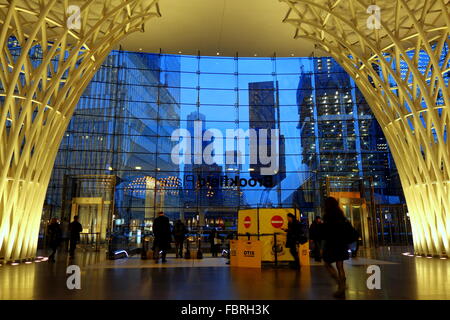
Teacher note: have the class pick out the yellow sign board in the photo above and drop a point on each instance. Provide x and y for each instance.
(303, 252)
(245, 254)
(267, 222)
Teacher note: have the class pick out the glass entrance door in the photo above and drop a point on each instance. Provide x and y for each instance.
(87, 214)
(93, 216)
(393, 225)
(356, 211)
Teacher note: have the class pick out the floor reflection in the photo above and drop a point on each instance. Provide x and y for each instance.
(432, 278)
(17, 281)
(402, 277)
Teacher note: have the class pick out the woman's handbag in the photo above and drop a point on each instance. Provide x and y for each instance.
(351, 234)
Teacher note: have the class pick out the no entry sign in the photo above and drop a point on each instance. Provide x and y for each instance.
(277, 222)
(247, 222)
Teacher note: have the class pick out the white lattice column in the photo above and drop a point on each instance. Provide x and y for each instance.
(397, 53)
(50, 51)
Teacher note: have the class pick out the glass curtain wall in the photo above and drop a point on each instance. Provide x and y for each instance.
(127, 124)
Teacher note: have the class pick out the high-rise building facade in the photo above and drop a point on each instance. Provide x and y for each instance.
(342, 144)
(264, 117)
(122, 128)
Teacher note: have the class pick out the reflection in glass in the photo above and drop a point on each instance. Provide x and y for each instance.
(126, 117)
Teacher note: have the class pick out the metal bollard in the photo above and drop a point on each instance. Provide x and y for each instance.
(275, 248)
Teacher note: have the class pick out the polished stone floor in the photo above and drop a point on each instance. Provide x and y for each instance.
(402, 277)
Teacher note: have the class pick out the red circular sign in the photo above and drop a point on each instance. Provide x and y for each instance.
(247, 222)
(277, 222)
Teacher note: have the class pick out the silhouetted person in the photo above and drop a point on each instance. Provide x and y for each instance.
(65, 234)
(337, 233)
(75, 229)
(163, 236)
(315, 236)
(212, 240)
(54, 234)
(294, 233)
(179, 234)
(229, 237)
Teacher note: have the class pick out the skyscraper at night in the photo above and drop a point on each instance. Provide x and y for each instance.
(263, 109)
(339, 135)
